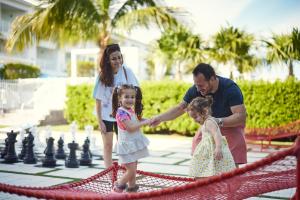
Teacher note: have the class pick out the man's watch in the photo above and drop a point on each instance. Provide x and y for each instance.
(220, 122)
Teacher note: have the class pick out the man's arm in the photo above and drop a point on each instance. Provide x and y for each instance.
(170, 114)
(238, 117)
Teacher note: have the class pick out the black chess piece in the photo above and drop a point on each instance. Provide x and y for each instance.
(60, 153)
(71, 161)
(86, 154)
(11, 156)
(49, 160)
(4, 151)
(24, 148)
(30, 156)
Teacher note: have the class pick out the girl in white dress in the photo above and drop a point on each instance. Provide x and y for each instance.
(212, 155)
(132, 144)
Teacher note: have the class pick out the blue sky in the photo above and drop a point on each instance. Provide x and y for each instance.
(269, 15)
(260, 17)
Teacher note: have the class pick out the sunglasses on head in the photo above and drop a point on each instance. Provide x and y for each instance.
(113, 47)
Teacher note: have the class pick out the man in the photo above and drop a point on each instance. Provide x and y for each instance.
(228, 108)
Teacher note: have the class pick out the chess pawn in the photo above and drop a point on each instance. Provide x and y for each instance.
(60, 153)
(23, 150)
(30, 156)
(4, 151)
(86, 154)
(49, 160)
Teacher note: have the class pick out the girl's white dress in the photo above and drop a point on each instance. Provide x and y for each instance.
(131, 146)
(203, 163)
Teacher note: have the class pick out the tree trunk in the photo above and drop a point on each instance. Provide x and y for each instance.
(178, 75)
(291, 69)
(231, 75)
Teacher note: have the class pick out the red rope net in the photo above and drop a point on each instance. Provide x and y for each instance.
(275, 172)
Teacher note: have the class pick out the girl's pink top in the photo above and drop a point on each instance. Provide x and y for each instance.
(121, 116)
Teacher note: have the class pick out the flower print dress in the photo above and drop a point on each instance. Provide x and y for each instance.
(131, 146)
(203, 163)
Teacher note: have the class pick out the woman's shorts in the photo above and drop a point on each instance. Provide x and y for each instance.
(111, 126)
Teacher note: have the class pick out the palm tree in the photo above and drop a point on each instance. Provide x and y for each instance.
(74, 21)
(231, 45)
(284, 47)
(178, 47)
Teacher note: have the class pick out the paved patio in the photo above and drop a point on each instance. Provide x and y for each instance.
(169, 155)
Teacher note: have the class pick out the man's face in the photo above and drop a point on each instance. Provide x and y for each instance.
(203, 86)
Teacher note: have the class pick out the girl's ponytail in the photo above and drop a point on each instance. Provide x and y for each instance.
(115, 102)
(138, 103)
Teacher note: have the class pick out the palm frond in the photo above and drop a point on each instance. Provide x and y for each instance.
(145, 17)
(53, 20)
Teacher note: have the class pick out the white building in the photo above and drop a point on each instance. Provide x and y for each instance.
(53, 60)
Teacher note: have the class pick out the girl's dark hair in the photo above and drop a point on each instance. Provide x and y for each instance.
(200, 103)
(106, 71)
(118, 91)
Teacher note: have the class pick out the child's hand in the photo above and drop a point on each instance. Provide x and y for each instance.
(145, 121)
(218, 154)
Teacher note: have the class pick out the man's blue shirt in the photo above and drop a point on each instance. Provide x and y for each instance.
(227, 95)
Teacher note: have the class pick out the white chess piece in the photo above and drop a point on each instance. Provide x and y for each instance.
(22, 136)
(89, 130)
(48, 132)
(73, 129)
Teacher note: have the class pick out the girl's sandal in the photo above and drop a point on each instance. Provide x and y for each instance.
(132, 189)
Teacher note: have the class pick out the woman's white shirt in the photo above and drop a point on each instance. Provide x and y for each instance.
(104, 93)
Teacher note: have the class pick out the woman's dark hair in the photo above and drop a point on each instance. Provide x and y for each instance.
(118, 91)
(106, 71)
(200, 103)
(205, 69)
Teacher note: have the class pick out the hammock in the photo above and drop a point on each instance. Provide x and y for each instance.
(280, 170)
(268, 134)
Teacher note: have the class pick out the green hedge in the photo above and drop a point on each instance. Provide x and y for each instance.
(80, 106)
(267, 104)
(271, 104)
(84, 69)
(18, 70)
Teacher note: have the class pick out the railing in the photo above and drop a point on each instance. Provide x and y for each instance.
(37, 93)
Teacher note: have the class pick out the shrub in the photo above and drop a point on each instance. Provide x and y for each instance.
(84, 68)
(18, 70)
(267, 104)
(80, 106)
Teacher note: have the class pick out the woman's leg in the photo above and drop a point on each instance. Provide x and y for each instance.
(107, 139)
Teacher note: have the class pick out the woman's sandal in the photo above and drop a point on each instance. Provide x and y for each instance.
(119, 188)
(132, 189)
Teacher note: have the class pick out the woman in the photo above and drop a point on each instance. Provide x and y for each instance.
(112, 74)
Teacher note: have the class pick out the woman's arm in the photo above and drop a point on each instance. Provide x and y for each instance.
(99, 116)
